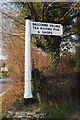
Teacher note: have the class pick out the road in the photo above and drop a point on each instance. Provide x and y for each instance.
(4, 85)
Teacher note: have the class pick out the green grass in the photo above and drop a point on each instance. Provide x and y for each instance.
(19, 105)
(0, 107)
(60, 111)
(0, 97)
(63, 110)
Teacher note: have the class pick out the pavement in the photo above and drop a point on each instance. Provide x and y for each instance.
(4, 85)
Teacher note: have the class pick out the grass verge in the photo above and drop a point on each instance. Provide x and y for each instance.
(0, 107)
(63, 110)
(57, 111)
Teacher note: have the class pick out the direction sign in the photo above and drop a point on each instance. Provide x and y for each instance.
(46, 28)
(39, 28)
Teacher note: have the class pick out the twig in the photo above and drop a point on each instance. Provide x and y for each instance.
(69, 10)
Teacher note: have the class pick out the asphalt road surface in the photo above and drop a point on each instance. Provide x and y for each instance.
(4, 85)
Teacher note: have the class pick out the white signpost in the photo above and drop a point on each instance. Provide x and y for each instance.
(42, 28)
(39, 28)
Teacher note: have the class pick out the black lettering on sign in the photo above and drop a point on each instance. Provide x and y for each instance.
(41, 28)
(38, 31)
(36, 28)
(33, 23)
(40, 24)
(51, 26)
(46, 32)
(44, 28)
(56, 29)
(58, 26)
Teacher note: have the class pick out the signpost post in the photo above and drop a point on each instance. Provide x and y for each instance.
(39, 28)
(27, 85)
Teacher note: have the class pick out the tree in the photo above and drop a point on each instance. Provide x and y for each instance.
(60, 14)
(43, 12)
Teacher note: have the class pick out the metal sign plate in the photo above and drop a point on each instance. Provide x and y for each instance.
(42, 28)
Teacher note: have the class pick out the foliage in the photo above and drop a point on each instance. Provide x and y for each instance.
(47, 12)
(78, 56)
(59, 110)
(53, 12)
(54, 112)
(59, 84)
(15, 52)
(39, 83)
(4, 74)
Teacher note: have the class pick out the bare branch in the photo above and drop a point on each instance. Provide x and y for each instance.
(12, 17)
(69, 10)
